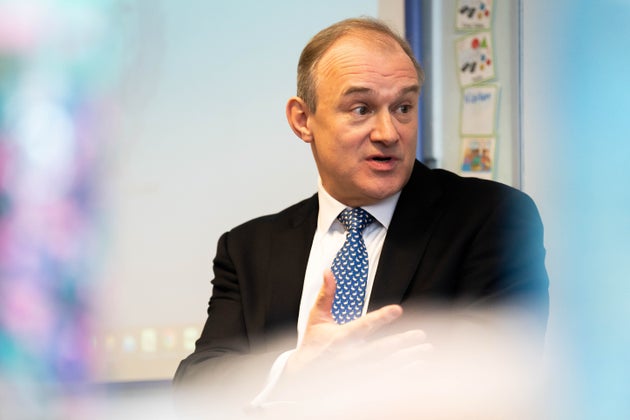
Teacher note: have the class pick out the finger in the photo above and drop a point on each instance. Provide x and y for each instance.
(323, 304)
(370, 323)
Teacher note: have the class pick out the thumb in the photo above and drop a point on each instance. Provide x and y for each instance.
(323, 304)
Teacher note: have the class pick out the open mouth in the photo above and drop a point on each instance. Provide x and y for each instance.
(382, 158)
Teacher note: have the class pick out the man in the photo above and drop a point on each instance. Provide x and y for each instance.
(434, 238)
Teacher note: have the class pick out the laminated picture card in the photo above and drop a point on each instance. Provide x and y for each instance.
(475, 61)
(473, 15)
(478, 157)
(479, 110)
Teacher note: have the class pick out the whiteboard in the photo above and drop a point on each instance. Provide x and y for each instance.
(201, 145)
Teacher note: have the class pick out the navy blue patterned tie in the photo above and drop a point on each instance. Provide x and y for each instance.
(350, 267)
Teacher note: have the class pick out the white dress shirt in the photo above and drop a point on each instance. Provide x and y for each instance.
(329, 238)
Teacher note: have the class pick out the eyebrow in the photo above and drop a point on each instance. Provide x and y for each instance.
(358, 89)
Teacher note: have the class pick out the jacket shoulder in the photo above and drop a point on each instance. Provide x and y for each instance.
(289, 217)
(467, 187)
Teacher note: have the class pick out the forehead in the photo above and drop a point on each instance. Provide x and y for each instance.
(364, 56)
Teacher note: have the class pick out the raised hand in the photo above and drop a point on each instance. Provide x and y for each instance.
(325, 342)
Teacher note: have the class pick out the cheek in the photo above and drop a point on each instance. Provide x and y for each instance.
(408, 131)
(410, 138)
(342, 144)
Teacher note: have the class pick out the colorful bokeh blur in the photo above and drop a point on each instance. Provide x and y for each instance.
(57, 62)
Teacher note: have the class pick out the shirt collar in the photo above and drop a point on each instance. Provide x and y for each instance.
(329, 208)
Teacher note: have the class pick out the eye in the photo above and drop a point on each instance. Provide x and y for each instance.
(405, 109)
(360, 110)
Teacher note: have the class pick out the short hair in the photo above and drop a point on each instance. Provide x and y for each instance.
(323, 40)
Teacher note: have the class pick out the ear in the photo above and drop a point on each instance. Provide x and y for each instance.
(298, 114)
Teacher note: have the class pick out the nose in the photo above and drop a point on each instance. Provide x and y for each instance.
(384, 130)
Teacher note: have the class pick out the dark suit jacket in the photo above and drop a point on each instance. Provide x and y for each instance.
(451, 240)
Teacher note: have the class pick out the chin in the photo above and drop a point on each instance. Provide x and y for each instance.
(375, 196)
(388, 188)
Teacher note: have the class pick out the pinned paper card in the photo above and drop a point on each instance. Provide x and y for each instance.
(473, 14)
(479, 110)
(475, 62)
(477, 157)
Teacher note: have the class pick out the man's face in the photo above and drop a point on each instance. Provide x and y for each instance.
(365, 124)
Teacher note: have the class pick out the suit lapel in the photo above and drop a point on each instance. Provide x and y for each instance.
(407, 237)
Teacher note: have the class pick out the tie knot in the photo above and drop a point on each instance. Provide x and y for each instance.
(355, 220)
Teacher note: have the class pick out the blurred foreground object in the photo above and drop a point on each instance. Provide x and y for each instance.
(56, 61)
(484, 364)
